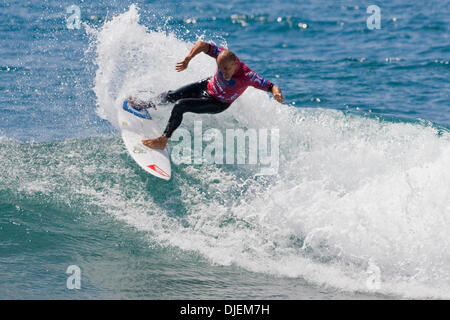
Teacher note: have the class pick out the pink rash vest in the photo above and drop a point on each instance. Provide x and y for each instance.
(243, 77)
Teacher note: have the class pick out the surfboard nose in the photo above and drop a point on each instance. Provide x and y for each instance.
(143, 113)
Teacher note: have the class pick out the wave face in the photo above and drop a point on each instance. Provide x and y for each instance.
(360, 205)
(353, 194)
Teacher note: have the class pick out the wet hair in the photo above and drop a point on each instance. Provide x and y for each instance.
(227, 55)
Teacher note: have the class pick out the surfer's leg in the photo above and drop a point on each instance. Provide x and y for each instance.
(198, 105)
(194, 90)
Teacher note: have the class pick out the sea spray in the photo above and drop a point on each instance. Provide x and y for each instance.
(353, 194)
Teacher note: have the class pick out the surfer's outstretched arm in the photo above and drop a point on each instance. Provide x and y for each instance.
(276, 91)
(200, 46)
(255, 80)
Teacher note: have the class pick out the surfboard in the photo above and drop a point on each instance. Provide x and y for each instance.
(135, 126)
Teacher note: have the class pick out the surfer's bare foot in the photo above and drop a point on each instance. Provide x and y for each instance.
(157, 143)
(138, 104)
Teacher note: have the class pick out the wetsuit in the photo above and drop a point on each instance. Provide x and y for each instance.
(212, 95)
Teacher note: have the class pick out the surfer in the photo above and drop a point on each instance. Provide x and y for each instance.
(211, 95)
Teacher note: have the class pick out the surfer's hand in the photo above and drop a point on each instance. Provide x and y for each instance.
(183, 64)
(276, 91)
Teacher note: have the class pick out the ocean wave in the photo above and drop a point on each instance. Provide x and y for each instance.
(353, 194)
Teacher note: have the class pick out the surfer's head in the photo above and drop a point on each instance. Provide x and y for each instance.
(227, 63)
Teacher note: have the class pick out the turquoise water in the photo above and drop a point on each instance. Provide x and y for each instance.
(363, 182)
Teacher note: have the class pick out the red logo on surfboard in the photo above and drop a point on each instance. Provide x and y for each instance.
(157, 169)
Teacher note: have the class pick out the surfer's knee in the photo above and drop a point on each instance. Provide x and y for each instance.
(168, 96)
(179, 107)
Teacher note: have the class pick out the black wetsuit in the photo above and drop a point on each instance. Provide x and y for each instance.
(194, 98)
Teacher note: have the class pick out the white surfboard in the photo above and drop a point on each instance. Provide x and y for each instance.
(136, 128)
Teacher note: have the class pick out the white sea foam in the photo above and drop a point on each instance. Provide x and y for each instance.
(352, 193)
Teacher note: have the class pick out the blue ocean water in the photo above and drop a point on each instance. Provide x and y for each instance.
(363, 186)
